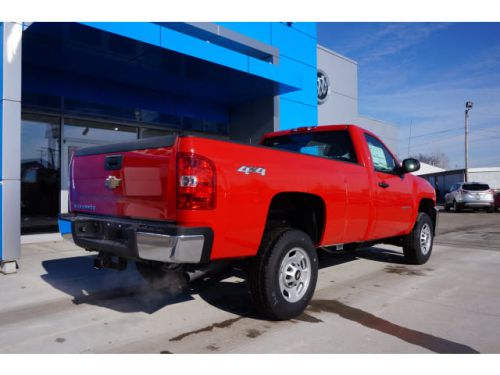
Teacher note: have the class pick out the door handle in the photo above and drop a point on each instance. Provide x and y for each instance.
(383, 184)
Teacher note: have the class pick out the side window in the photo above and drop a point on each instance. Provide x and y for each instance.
(382, 159)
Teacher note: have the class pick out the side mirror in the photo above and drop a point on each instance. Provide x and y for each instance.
(410, 165)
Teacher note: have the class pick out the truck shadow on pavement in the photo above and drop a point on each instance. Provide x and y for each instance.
(122, 291)
(126, 292)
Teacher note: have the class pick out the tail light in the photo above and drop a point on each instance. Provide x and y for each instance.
(195, 182)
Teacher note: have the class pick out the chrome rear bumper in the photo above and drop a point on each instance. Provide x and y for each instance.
(141, 240)
(170, 249)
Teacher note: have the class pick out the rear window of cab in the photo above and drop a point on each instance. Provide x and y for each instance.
(336, 145)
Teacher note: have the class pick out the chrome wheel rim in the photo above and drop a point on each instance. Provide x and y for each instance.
(295, 274)
(425, 238)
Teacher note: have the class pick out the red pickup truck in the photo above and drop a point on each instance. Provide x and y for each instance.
(183, 203)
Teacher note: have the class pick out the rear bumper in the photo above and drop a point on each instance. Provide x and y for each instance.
(475, 204)
(141, 239)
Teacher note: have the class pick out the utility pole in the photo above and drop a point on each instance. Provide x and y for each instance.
(468, 107)
(409, 139)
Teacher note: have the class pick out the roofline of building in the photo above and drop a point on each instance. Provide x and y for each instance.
(452, 171)
(485, 169)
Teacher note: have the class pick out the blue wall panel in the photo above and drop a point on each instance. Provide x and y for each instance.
(294, 44)
(294, 114)
(291, 76)
(306, 27)
(1, 67)
(307, 76)
(188, 45)
(64, 226)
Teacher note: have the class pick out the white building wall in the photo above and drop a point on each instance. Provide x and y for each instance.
(490, 176)
(341, 105)
(386, 131)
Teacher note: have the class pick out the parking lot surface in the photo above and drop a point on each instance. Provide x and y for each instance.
(369, 302)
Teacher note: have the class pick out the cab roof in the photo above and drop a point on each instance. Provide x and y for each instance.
(309, 129)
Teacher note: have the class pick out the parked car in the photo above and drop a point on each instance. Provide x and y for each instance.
(473, 195)
(184, 203)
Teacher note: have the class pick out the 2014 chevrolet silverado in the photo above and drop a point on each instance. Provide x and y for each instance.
(182, 203)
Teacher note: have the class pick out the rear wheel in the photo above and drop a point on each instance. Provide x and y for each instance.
(417, 246)
(446, 206)
(456, 207)
(283, 276)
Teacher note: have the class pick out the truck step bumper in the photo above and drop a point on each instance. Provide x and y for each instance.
(170, 249)
(141, 239)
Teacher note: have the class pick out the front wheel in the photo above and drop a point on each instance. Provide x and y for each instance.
(283, 275)
(417, 246)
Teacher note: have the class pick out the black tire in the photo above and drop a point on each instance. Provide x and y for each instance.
(456, 207)
(491, 209)
(412, 246)
(446, 207)
(266, 273)
(160, 277)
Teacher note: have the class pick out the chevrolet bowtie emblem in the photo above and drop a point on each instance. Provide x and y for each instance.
(112, 182)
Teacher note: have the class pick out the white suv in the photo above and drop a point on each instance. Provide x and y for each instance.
(474, 195)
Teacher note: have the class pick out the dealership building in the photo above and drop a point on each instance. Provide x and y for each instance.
(66, 86)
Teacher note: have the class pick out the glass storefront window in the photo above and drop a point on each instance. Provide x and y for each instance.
(40, 173)
(100, 132)
(45, 160)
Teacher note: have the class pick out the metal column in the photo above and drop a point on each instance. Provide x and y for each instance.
(10, 145)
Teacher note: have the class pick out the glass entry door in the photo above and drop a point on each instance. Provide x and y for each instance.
(40, 168)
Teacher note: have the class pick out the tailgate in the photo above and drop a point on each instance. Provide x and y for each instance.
(133, 179)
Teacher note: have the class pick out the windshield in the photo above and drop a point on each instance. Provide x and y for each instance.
(475, 187)
(331, 144)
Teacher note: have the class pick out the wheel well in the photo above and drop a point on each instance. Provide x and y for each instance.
(300, 211)
(427, 205)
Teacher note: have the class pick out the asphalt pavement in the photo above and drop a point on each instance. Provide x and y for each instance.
(369, 302)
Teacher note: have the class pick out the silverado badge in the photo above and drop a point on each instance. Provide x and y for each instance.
(112, 182)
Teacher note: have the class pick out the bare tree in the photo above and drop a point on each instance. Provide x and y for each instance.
(436, 158)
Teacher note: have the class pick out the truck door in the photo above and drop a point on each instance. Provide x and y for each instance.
(393, 200)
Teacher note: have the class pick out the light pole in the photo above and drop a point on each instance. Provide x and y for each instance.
(468, 107)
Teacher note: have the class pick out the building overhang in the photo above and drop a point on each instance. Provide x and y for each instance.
(147, 64)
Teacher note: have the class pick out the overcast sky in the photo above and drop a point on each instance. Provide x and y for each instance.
(423, 73)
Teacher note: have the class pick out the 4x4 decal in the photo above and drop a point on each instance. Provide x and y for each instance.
(247, 170)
